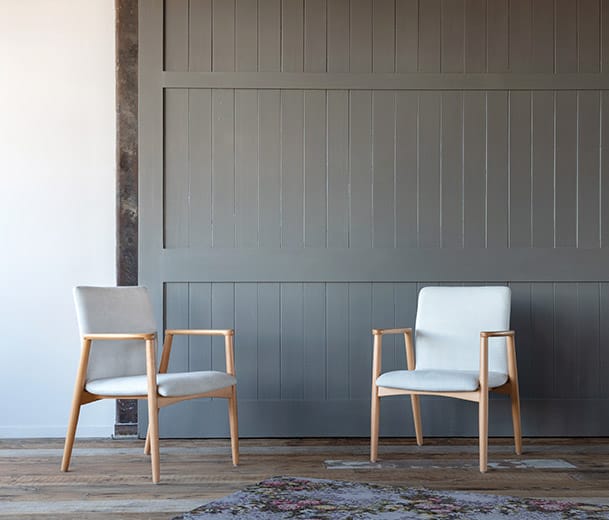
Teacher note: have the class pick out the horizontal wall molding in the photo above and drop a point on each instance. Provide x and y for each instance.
(384, 265)
(376, 81)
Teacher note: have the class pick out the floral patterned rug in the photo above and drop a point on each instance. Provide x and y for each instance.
(289, 497)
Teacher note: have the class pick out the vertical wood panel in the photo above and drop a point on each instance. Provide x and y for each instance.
(406, 35)
(269, 35)
(360, 164)
(314, 324)
(521, 322)
(246, 339)
(176, 168)
(451, 160)
(497, 174)
(199, 154)
(360, 36)
(337, 341)
(223, 168)
(541, 348)
(604, 169)
(497, 36)
(338, 168)
(269, 167)
(603, 362)
(566, 168)
(453, 35)
(542, 36)
(383, 36)
(430, 21)
(588, 179)
(246, 168)
(292, 346)
(604, 36)
(176, 35)
(338, 36)
(246, 36)
(176, 317)
(383, 152)
(222, 317)
(199, 35)
(383, 317)
(199, 317)
(406, 183)
(223, 47)
(474, 169)
(543, 169)
(315, 179)
(520, 35)
(360, 340)
(269, 350)
(566, 379)
(429, 169)
(315, 36)
(292, 35)
(405, 315)
(586, 372)
(566, 36)
(588, 38)
(475, 36)
(292, 185)
(520, 169)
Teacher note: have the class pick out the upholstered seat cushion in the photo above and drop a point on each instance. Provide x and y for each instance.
(169, 385)
(438, 380)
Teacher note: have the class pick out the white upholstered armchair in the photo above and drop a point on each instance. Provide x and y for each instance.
(462, 348)
(118, 361)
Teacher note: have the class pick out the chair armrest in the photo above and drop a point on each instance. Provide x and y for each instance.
(200, 332)
(496, 333)
(117, 336)
(381, 332)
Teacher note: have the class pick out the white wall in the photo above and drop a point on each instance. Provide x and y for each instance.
(57, 203)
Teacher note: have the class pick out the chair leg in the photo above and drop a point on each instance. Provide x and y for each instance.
(153, 433)
(416, 415)
(234, 426)
(71, 433)
(515, 397)
(483, 430)
(374, 425)
(147, 443)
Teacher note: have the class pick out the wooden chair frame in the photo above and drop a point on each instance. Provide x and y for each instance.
(155, 401)
(480, 396)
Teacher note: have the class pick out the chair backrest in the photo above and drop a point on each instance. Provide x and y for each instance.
(448, 325)
(114, 310)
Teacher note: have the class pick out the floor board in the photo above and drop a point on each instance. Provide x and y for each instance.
(111, 478)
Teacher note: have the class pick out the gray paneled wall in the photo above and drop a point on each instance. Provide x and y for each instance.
(287, 145)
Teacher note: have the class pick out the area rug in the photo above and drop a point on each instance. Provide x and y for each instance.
(314, 499)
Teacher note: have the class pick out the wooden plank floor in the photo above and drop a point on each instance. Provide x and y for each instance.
(111, 478)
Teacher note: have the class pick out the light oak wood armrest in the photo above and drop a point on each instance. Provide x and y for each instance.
(381, 332)
(496, 333)
(200, 332)
(115, 336)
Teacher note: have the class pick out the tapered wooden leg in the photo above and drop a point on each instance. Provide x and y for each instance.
(483, 430)
(71, 433)
(153, 411)
(514, 395)
(147, 443)
(375, 409)
(234, 426)
(416, 415)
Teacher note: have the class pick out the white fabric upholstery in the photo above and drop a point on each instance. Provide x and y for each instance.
(114, 310)
(448, 325)
(169, 385)
(438, 380)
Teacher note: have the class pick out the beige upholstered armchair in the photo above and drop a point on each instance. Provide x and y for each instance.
(118, 361)
(462, 348)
